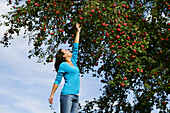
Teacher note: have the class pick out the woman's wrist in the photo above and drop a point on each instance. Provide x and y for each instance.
(78, 31)
(51, 95)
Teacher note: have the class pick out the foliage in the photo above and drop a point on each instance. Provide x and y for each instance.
(129, 48)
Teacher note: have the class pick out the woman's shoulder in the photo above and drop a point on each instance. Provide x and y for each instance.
(63, 64)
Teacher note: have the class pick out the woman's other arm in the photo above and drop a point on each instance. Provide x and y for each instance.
(58, 79)
(55, 86)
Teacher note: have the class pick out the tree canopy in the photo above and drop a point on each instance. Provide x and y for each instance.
(126, 40)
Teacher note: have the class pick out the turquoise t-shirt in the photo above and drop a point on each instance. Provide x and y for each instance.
(70, 74)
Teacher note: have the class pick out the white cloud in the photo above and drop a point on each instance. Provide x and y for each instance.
(34, 105)
(6, 109)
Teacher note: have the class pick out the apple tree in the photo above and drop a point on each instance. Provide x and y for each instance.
(126, 42)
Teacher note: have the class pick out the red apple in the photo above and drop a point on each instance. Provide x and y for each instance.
(118, 25)
(128, 38)
(123, 5)
(138, 69)
(116, 20)
(81, 18)
(118, 29)
(130, 71)
(133, 56)
(125, 78)
(163, 103)
(113, 51)
(119, 63)
(134, 50)
(112, 46)
(103, 24)
(122, 84)
(124, 24)
(107, 34)
(94, 40)
(117, 36)
(57, 12)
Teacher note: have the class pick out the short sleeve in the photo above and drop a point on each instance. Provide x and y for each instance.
(60, 73)
(75, 51)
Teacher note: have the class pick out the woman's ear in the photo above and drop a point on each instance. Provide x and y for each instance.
(64, 56)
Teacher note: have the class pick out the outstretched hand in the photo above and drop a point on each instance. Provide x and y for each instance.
(78, 27)
(50, 100)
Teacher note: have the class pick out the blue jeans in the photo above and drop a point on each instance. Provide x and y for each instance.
(69, 103)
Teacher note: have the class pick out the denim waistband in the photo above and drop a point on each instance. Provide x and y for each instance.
(71, 94)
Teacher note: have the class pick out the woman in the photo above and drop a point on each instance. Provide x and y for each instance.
(65, 66)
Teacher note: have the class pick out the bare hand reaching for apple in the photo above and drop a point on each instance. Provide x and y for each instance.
(78, 27)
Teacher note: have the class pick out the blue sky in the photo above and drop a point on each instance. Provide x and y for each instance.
(25, 85)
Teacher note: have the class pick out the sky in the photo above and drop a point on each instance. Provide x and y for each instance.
(26, 85)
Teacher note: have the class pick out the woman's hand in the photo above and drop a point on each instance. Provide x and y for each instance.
(50, 100)
(78, 27)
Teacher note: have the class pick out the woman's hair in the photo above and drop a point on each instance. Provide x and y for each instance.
(59, 59)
